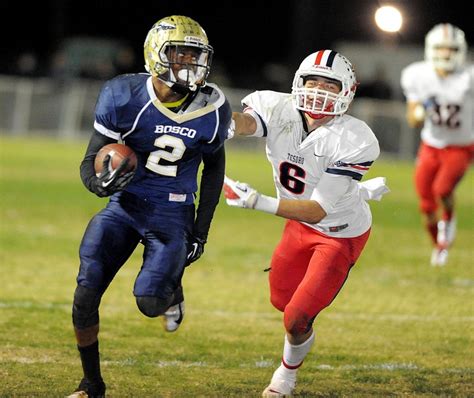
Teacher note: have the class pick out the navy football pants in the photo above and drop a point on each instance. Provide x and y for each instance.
(114, 233)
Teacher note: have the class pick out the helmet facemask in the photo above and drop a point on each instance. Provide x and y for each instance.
(185, 65)
(316, 101)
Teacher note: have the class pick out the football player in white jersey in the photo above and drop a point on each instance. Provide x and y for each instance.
(440, 100)
(318, 155)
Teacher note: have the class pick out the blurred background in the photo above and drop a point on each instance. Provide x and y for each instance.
(59, 52)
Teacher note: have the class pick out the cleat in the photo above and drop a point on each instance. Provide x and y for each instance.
(88, 390)
(439, 257)
(78, 394)
(276, 391)
(282, 385)
(173, 317)
(446, 232)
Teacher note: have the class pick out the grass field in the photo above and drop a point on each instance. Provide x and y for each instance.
(398, 328)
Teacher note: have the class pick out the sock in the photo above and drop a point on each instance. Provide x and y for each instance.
(90, 362)
(447, 215)
(433, 232)
(293, 355)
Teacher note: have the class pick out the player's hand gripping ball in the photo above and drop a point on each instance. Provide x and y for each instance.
(118, 153)
(115, 166)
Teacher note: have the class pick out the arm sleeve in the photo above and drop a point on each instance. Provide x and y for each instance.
(355, 163)
(210, 190)
(261, 130)
(263, 106)
(87, 170)
(223, 121)
(106, 113)
(350, 164)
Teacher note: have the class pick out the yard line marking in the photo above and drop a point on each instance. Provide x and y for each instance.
(159, 364)
(341, 315)
(388, 367)
(400, 317)
(268, 315)
(34, 304)
(379, 366)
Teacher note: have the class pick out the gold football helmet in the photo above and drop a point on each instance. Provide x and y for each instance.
(177, 51)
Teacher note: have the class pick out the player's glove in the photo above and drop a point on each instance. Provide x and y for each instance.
(110, 181)
(195, 249)
(240, 194)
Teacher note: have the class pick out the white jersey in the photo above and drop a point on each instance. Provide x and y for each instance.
(449, 102)
(345, 148)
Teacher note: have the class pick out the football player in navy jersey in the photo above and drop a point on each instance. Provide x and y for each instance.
(173, 120)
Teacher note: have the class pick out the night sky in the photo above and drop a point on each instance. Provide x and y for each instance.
(245, 35)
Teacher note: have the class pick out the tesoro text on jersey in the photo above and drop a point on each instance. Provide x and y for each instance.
(295, 158)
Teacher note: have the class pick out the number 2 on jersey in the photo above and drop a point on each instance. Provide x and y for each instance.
(173, 154)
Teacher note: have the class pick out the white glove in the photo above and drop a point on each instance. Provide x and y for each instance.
(373, 189)
(240, 194)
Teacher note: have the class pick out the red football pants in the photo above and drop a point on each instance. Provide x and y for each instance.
(437, 173)
(308, 270)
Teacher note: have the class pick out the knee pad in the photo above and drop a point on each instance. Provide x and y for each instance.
(85, 308)
(153, 306)
(278, 302)
(297, 322)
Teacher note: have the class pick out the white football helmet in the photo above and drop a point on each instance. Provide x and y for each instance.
(178, 33)
(437, 42)
(317, 102)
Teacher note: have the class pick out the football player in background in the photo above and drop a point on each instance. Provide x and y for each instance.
(318, 155)
(173, 120)
(440, 100)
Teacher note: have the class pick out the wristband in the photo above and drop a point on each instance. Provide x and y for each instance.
(267, 204)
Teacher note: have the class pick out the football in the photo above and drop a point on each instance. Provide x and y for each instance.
(117, 152)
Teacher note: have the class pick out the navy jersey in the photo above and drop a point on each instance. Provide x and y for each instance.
(169, 146)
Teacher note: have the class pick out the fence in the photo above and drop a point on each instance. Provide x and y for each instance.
(66, 109)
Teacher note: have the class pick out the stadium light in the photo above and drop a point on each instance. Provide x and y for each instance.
(389, 19)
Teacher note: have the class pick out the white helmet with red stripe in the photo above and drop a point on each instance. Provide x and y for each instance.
(315, 101)
(445, 47)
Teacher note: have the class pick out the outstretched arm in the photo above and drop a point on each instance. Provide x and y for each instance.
(244, 123)
(309, 211)
(240, 194)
